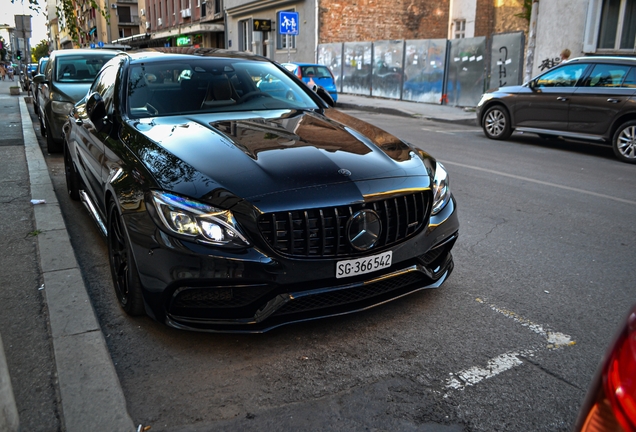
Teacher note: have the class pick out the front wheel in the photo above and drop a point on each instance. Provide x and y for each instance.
(624, 142)
(122, 265)
(496, 123)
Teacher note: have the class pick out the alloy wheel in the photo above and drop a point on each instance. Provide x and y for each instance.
(626, 143)
(495, 122)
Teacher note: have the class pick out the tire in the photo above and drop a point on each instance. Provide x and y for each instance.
(496, 123)
(624, 142)
(51, 145)
(122, 265)
(73, 180)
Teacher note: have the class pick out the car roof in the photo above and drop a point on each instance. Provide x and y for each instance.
(631, 61)
(163, 54)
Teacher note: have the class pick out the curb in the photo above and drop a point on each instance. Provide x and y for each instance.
(402, 113)
(91, 394)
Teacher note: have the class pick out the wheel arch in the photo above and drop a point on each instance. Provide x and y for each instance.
(618, 122)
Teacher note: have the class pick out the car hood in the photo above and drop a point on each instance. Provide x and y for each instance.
(72, 92)
(255, 155)
(507, 89)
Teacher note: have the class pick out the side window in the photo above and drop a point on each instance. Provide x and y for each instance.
(630, 79)
(104, 84)
(605, 75)
(563, 76)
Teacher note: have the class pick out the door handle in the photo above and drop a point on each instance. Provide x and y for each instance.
(562, 99)
(610, 100)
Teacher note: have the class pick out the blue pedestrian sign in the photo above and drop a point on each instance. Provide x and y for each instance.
(100, 44)
(92, 46)
(288, 23)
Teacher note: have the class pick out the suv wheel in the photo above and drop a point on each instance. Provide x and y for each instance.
(624, 142)
(496, 123)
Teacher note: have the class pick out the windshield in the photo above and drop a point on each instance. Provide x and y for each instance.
(211, 85)
(80, 68)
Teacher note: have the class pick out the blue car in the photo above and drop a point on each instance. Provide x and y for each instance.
(320, 74)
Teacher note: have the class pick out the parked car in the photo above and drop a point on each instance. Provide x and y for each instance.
(321, 75)
(610, 404)
(26, 76)
(229, 209)
(587, 98)
(36, 89)
(66, 79)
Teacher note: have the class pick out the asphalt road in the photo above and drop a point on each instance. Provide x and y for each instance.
(544, 272)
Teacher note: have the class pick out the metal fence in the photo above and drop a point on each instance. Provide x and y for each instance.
(454, 72)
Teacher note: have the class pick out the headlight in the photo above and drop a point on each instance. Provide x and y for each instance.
(441, 189)
(197, 221)
(61, 107)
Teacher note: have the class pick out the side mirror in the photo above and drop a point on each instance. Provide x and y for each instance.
(532, 84)
(96, 110)
(39, 79)
(324, 95)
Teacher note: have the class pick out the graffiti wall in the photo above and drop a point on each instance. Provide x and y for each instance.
(453, 72)
(466, 71)
(330, 55)
(424, 65)
(387, 72)
(506, 59)
(357, 67)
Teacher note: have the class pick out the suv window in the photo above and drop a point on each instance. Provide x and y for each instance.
(564, 76)
(630, 79)
(606, 75)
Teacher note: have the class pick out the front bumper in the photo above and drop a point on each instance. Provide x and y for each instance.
(197, 287)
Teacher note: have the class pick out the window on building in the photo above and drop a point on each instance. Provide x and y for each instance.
(245, 35)
(460, 29)
(217, 6)
(617, 25)
(610, 26)
(281, 40)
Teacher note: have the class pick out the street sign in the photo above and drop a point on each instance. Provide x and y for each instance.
(288, 23)
(100, 44)
(264, 25)
(92, 46)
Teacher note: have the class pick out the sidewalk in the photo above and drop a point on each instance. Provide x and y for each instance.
(87, 393)
(55, 340)
(441, 113)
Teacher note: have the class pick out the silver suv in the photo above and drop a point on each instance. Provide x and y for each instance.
(587, 98)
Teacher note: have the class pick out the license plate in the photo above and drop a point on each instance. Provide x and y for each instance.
(364, 265)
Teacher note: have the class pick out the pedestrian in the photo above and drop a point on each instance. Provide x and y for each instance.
(3, 71)
(10, 71)
(565, 55)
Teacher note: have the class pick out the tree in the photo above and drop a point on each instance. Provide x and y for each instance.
(65, 11)
(40, 50)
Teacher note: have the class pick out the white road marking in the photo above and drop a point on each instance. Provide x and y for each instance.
(475, 374)
(471, 376)
(554, 339)
(531, 180)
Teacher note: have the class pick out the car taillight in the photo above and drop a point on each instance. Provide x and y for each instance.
(614, 408)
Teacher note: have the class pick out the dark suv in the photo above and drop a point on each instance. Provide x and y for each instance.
(587, 98)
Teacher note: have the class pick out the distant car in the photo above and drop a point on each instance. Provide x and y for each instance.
(26, 78)
(321, 75)
(66, 79)
(587, 98)
(229, 208)
(610, 405)
(36, 87)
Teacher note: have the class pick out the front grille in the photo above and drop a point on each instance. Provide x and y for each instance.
(350, 295)
(321, 232)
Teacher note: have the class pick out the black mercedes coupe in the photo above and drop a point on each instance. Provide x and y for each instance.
(234, 198)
